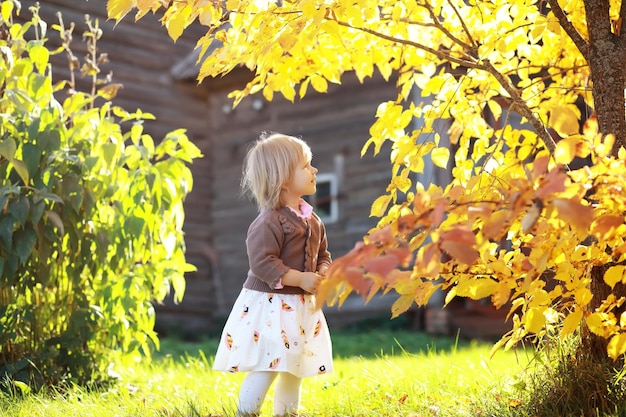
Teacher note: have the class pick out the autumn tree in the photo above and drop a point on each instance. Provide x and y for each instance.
(533, 217)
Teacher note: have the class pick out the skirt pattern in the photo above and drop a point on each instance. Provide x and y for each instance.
(275, 332)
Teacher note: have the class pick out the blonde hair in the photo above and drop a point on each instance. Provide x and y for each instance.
(269, 164)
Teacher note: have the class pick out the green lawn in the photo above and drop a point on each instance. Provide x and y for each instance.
(382, 372)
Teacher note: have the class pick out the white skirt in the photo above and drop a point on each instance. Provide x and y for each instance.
(275, 332)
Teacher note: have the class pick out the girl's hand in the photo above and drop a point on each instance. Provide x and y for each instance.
(310, 281)
(323, 270)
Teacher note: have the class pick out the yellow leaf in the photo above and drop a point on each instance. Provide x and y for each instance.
(207, 15)
(268, 93)
(617, 346)
(144, 6)
(176, 20)
(401, 183)
(553, 23)
(40, 55)
(6, 9)
(288, 91)
(319, 83)
(583, 296)
(287, 40)
(595, 323)
(501, 295)
(303, 88)
(109, 91)
(564, 121)
(571, 322)
(440, 157)
(496, 109)
(379, 207)
(476, 289)
(117, 9)
(535, 319)
(565, 150)
(604, 148)
(401, 305)
(613, 275)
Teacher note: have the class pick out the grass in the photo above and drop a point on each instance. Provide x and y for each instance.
(380, 372)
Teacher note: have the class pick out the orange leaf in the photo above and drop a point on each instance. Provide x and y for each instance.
(606, 224)
(403, 254)
(382, 236)
(590, 127)
(429, 260)
(357, 280)
(554, 182)
(436, 216)
(381, 265)
(458, 243)
(459, 235)
(460, 251)
(540, 165)
(496, 225)
(574, 212)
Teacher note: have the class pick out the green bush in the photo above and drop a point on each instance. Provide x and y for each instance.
(91, 216)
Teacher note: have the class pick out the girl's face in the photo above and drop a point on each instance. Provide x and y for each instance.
(302, 181)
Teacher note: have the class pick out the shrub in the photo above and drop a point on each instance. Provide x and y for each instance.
(91, 217)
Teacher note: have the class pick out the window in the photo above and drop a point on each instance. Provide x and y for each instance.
(324, 201)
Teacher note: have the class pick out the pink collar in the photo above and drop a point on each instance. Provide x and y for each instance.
(305, 210)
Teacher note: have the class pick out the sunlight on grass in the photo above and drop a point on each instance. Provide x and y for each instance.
(445, 384)
(454, 381)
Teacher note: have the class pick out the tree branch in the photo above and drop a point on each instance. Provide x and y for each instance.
(465, 28)
(439, 54)
(576, 37)
(518, 105)
(522, 108)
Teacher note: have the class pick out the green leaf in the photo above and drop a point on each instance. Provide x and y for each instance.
(7, 226)
(8, 148)
(25, 240)
(109, 151)
(55, 219)
(36, 211)
(49, 140)
(19, 209)
(134, 225)
(22, 170)
(31, 155)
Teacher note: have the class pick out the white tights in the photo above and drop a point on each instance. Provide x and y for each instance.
(254, 389)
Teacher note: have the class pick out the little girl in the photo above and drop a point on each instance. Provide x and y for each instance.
(274, 328)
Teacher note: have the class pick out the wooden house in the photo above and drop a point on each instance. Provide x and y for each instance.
(159, 77)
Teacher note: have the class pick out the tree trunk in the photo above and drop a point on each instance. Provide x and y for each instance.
(606, 56)
(592, 345)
